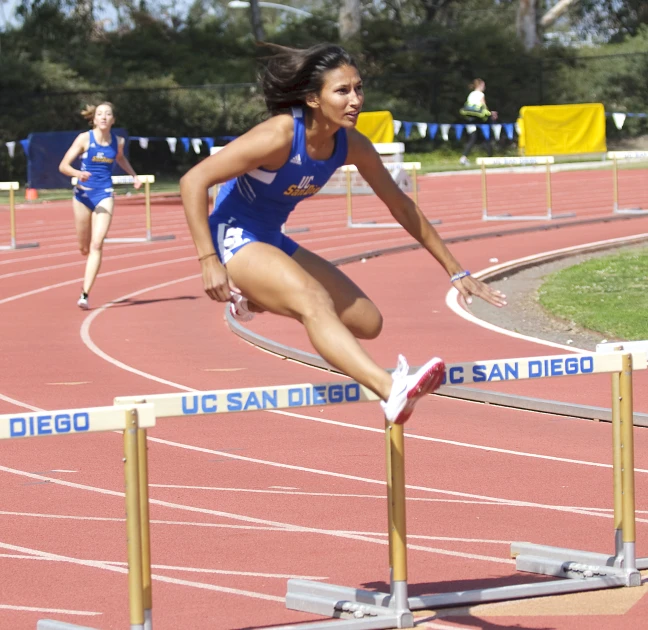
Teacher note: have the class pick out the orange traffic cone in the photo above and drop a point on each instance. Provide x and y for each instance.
(31, 194)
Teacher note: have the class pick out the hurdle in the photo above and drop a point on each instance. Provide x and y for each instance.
(147, 180)
(616, 156)
(519, 161)
(368, 610)
(398, 171)
(11, 188)
(133, 420)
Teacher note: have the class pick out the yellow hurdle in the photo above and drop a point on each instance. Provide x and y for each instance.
(11, 188)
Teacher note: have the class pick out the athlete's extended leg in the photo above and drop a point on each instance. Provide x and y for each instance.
(101, 218)
(83, 225)
(357, 312)
(272, 279)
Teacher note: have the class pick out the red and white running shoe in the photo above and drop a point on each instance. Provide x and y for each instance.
(239, 308)
(407, 389)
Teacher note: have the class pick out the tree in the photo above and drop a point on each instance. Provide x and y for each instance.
(350, 19)
(526, 24)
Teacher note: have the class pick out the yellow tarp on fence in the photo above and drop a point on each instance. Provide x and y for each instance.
(377, 126)
(561, 129)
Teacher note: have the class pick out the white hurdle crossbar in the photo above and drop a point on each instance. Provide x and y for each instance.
(369, 610)
(11, 188)
(617, 156)
(519, 161)
(147, 180)
(132, 420)
(403, 173)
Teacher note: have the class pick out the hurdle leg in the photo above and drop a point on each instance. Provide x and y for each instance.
(617, 476)
(349, 202)
(484, 192)
(369, 610)
(11, 188)
(133, 525)
(142, 450)
(147, 203)
(397, 526)
(627, 461)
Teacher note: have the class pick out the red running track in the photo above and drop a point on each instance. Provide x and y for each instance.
(240, 503)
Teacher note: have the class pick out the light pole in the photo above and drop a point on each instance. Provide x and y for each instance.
(243, 4)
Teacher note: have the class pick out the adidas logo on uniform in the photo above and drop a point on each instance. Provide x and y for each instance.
(296, 159)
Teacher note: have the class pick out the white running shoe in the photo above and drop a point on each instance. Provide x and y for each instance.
(407, 389)
(463, 160)
(82, 302)
(239, 308)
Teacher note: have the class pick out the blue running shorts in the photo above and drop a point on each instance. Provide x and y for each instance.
(92, 197)
(232, 235)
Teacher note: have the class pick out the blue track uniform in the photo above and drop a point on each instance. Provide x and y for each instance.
(98, 160)
(254, 206)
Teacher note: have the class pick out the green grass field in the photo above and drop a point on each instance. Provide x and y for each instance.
(608, 295)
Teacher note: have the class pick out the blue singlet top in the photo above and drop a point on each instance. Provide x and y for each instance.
(98, 160)
(266, 198)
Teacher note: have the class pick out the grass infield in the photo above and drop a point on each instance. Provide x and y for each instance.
(607, 295)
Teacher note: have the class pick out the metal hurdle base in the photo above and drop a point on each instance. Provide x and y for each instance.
(49, 624)
(527, 217)
(373, 224)
(632, 211)
(361, 610)
(19, 246)
(143, 239)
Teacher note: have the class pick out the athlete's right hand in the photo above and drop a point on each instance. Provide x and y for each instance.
(84, 176)
(216, 281)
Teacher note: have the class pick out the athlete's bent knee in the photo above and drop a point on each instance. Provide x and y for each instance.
(368, 326)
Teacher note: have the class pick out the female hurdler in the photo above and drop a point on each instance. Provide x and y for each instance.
(314, 97)
(93, 201)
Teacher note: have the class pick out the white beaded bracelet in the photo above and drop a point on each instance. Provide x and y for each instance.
(459, 275)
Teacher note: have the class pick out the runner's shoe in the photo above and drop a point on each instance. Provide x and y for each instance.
(82, 302)
(239, 308)
(407, 389)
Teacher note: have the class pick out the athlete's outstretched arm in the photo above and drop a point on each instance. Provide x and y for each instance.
(266, 145)
(363, 154)
(75, 150)
(122, 160)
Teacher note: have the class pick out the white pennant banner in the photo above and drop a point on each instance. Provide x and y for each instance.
(444, 131)
(497, 131)
(517, 128)
(422, 129)
(172, 142)
(11, 147)
(196, 143)
(471, 128)
(397, 126)
(618, 119)
(143, 142)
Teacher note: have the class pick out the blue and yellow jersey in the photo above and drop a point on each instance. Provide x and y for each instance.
(268, 197)
(98, 160)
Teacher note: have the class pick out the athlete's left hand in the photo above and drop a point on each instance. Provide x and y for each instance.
(469, 286)
(137, 184)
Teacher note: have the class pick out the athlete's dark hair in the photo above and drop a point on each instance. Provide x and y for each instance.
(291, 74)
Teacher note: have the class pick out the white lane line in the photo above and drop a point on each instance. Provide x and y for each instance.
(328, 473)
(87, 340)
(19, 296)
(452, 297)
(123, 570)
(82, 262)
(287, 527)
(18, 403)
(53, 611)
(426, 438)
(166, 567)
